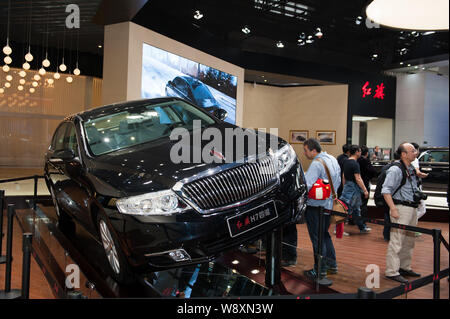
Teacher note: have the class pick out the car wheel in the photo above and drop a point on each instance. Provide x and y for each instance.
(118, 265)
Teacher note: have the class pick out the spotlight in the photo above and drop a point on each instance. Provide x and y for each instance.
(280, 44)
(198, 15)
(246, 30)
(319, 33)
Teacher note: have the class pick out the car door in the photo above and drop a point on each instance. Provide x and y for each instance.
(435, 163)
(76, 190)
(54, 165)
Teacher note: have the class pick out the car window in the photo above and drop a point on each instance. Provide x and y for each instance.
(141, 124)
(71, 140)
(435, 156)
(58, 139)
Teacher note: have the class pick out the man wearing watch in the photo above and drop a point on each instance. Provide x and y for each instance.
(403, 210)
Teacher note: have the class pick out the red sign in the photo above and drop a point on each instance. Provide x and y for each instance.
(379, 92)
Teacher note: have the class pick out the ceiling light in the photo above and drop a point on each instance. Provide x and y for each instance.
(77, 71)
(20, 88)
(235, 262)
(2, 90)
(46, 63)
(301, 42)
(409, 64)
(29, 57)
(69, 79)
(22, 81)
(26, 66)
(420, 14)
(32, 90)
(401, 63)
(416, 67)
(246, 30)
(358, 20)
(63, 67)
(99, 46)
(428, 32)
(9, 77)
(319, 33)
(56, 76)
(7, 59)
(22, 73)
(255, 271)
(424, 68)
(310, 39)
(5, 68)
(37, 77)
(280, 44)
(375, 55)
(7, 85)
(198, 15)
(50, 81)
(42, 71)
(7, 50)
(34, 84)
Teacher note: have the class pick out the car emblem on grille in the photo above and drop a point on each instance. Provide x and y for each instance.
(217, 154)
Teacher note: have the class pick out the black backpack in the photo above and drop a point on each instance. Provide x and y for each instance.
(378, 197)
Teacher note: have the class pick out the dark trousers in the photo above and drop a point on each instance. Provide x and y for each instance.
(387, 229)
(328, 252)
(289, 245)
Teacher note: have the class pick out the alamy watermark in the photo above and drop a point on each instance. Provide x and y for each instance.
(373, 279)
(73, 277)
(73, 19)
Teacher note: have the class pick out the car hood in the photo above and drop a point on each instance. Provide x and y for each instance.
(148, 167)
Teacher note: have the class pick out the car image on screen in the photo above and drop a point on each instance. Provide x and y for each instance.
(193, 91)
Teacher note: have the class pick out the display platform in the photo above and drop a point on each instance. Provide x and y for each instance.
(61, 249)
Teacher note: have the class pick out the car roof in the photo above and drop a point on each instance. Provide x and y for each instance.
(119, 107)
(190, 79)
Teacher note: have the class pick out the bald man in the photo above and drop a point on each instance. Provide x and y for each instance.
(402, 210)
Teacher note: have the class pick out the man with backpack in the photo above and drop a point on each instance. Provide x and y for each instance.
(401, 194)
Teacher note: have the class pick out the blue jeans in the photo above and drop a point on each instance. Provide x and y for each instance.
(351, 195)
(328, 252)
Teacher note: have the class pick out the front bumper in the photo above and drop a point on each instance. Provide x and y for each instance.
(148, 240)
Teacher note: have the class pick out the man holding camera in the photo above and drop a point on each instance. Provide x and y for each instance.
(403, 210)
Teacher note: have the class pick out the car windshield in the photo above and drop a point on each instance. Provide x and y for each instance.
(140, 125)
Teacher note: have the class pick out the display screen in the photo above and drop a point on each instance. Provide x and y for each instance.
(167, 74)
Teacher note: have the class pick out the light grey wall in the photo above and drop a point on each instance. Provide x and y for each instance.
(436, 110)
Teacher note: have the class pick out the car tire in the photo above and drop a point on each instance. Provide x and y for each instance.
(119, 267)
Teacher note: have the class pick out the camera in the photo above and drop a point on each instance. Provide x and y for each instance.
(418, 196)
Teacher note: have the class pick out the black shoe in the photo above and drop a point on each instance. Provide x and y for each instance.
(288, 262)
(312, 274)
(408, 273)
(398, 278)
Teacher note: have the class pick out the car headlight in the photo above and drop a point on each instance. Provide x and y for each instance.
(158, 203)
(285, 158)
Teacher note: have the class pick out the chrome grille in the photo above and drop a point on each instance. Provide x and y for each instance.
(233, 185)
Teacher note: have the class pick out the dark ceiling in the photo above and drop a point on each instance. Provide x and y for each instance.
(344, 45)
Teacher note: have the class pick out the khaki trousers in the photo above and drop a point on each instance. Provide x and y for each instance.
(401, 243)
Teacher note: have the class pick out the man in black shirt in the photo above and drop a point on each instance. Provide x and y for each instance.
(341, 160)
(367, 173)
(353, 187)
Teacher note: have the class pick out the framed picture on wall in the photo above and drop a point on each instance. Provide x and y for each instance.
(326, 137)
(297, 137)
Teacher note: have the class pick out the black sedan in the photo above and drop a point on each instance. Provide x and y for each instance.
(192, 90)
(434, 162)
(110, 170)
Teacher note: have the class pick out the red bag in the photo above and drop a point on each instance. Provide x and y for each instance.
(320, 190)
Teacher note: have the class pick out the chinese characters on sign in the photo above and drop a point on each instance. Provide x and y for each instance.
(379, 92)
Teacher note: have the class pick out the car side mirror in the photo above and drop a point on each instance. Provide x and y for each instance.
(221, 114)
(64, 155)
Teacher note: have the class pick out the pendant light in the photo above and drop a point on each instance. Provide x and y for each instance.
(46, 62)
(32, 90)
(7, 59)
(22, 73)
(7, 85)
(77, 70)
(5, 68)
(2, 90)
(37, 77)
(56, 75)
(7, 49)
(63, 67)
(22, 81)
(9, 78)
(29, 57)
